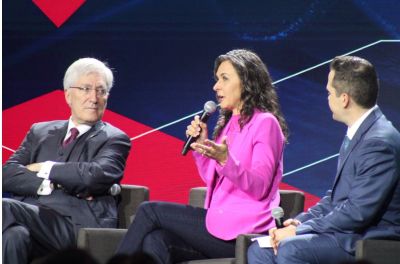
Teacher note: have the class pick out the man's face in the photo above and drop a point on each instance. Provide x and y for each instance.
(87, 107)
(335, 101)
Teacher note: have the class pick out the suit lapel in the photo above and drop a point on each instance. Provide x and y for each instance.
(50, 144)
(57, 134)
(95, 130)
(365, 126)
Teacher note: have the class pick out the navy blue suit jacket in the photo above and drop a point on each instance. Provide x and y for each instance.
(88, 167)
(364, 202)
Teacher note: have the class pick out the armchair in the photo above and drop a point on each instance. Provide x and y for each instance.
(101, 243)
(378, 251)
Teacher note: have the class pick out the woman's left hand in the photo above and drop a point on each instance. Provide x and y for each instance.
(213, 150)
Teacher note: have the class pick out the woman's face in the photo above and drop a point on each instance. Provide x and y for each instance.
(228, 87)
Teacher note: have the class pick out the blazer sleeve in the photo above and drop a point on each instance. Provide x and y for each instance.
(17, 179)
(376, 176)
(323, 207)
(257, 177)
(96, 174)
(202, 164)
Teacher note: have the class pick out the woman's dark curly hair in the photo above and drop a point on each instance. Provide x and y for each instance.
(258, 92)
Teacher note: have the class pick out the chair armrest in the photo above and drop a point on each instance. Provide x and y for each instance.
(197, 196)
(101, 243)
(242, 244)
(378, 251)
(292, 202)
(131, 197)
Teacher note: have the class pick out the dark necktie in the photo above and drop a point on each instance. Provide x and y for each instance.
(345, 144)
(74, 134)
(343, 148)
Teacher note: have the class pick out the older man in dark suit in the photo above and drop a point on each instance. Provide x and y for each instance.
(364, 202)
(60, 176)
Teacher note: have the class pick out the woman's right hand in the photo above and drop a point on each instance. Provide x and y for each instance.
(197, 129)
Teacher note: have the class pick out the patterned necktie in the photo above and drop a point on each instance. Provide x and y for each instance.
(343, 148)
(74, 134)
(345, 143)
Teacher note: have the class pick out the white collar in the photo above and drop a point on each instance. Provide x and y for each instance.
(351, 131)
(81, 128)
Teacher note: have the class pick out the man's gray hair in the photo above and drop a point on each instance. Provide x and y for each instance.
(86, 66)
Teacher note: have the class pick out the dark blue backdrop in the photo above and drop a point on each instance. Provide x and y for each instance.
(163, 53)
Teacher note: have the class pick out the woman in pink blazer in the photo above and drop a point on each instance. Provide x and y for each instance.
(241, 166)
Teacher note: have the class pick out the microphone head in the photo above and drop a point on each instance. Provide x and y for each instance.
(210, 107)
(277, 212)
(115, 189)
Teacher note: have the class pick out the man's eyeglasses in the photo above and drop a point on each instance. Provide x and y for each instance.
(87, 90)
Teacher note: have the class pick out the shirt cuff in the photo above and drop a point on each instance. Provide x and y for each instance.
(303, 229)
(44, 171)
(45, 188)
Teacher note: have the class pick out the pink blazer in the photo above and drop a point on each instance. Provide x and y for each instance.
(241, 194)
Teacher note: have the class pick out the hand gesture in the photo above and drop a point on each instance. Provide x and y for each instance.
(213, 150)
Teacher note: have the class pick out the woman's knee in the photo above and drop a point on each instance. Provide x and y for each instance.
(147, 211)
(156, 211)
(147, 207)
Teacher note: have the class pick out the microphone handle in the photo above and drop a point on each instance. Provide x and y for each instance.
(186, 147)
(279, 222)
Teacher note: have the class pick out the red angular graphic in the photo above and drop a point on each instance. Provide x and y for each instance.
(58, 11)
(155, 159)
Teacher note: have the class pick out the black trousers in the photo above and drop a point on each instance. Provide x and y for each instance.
(31, 231)
(173, 233)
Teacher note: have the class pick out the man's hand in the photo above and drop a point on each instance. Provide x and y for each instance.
(34, 166)
(277, 235)
(291, 221)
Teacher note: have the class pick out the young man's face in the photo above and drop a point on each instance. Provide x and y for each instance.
(335, 101)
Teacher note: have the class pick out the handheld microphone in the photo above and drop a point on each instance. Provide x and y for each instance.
(277, 214)
(209, 108)
(115, 189)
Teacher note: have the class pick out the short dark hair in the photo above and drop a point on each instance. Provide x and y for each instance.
(357, 77)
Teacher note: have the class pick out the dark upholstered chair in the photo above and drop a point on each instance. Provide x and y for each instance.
(101, 243)
(378, 251)
(292, 203)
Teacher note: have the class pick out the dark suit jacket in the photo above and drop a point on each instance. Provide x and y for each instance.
(88, 167)
(365, 199)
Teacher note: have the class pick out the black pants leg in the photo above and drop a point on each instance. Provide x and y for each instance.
(27, 228)
(172, 233)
